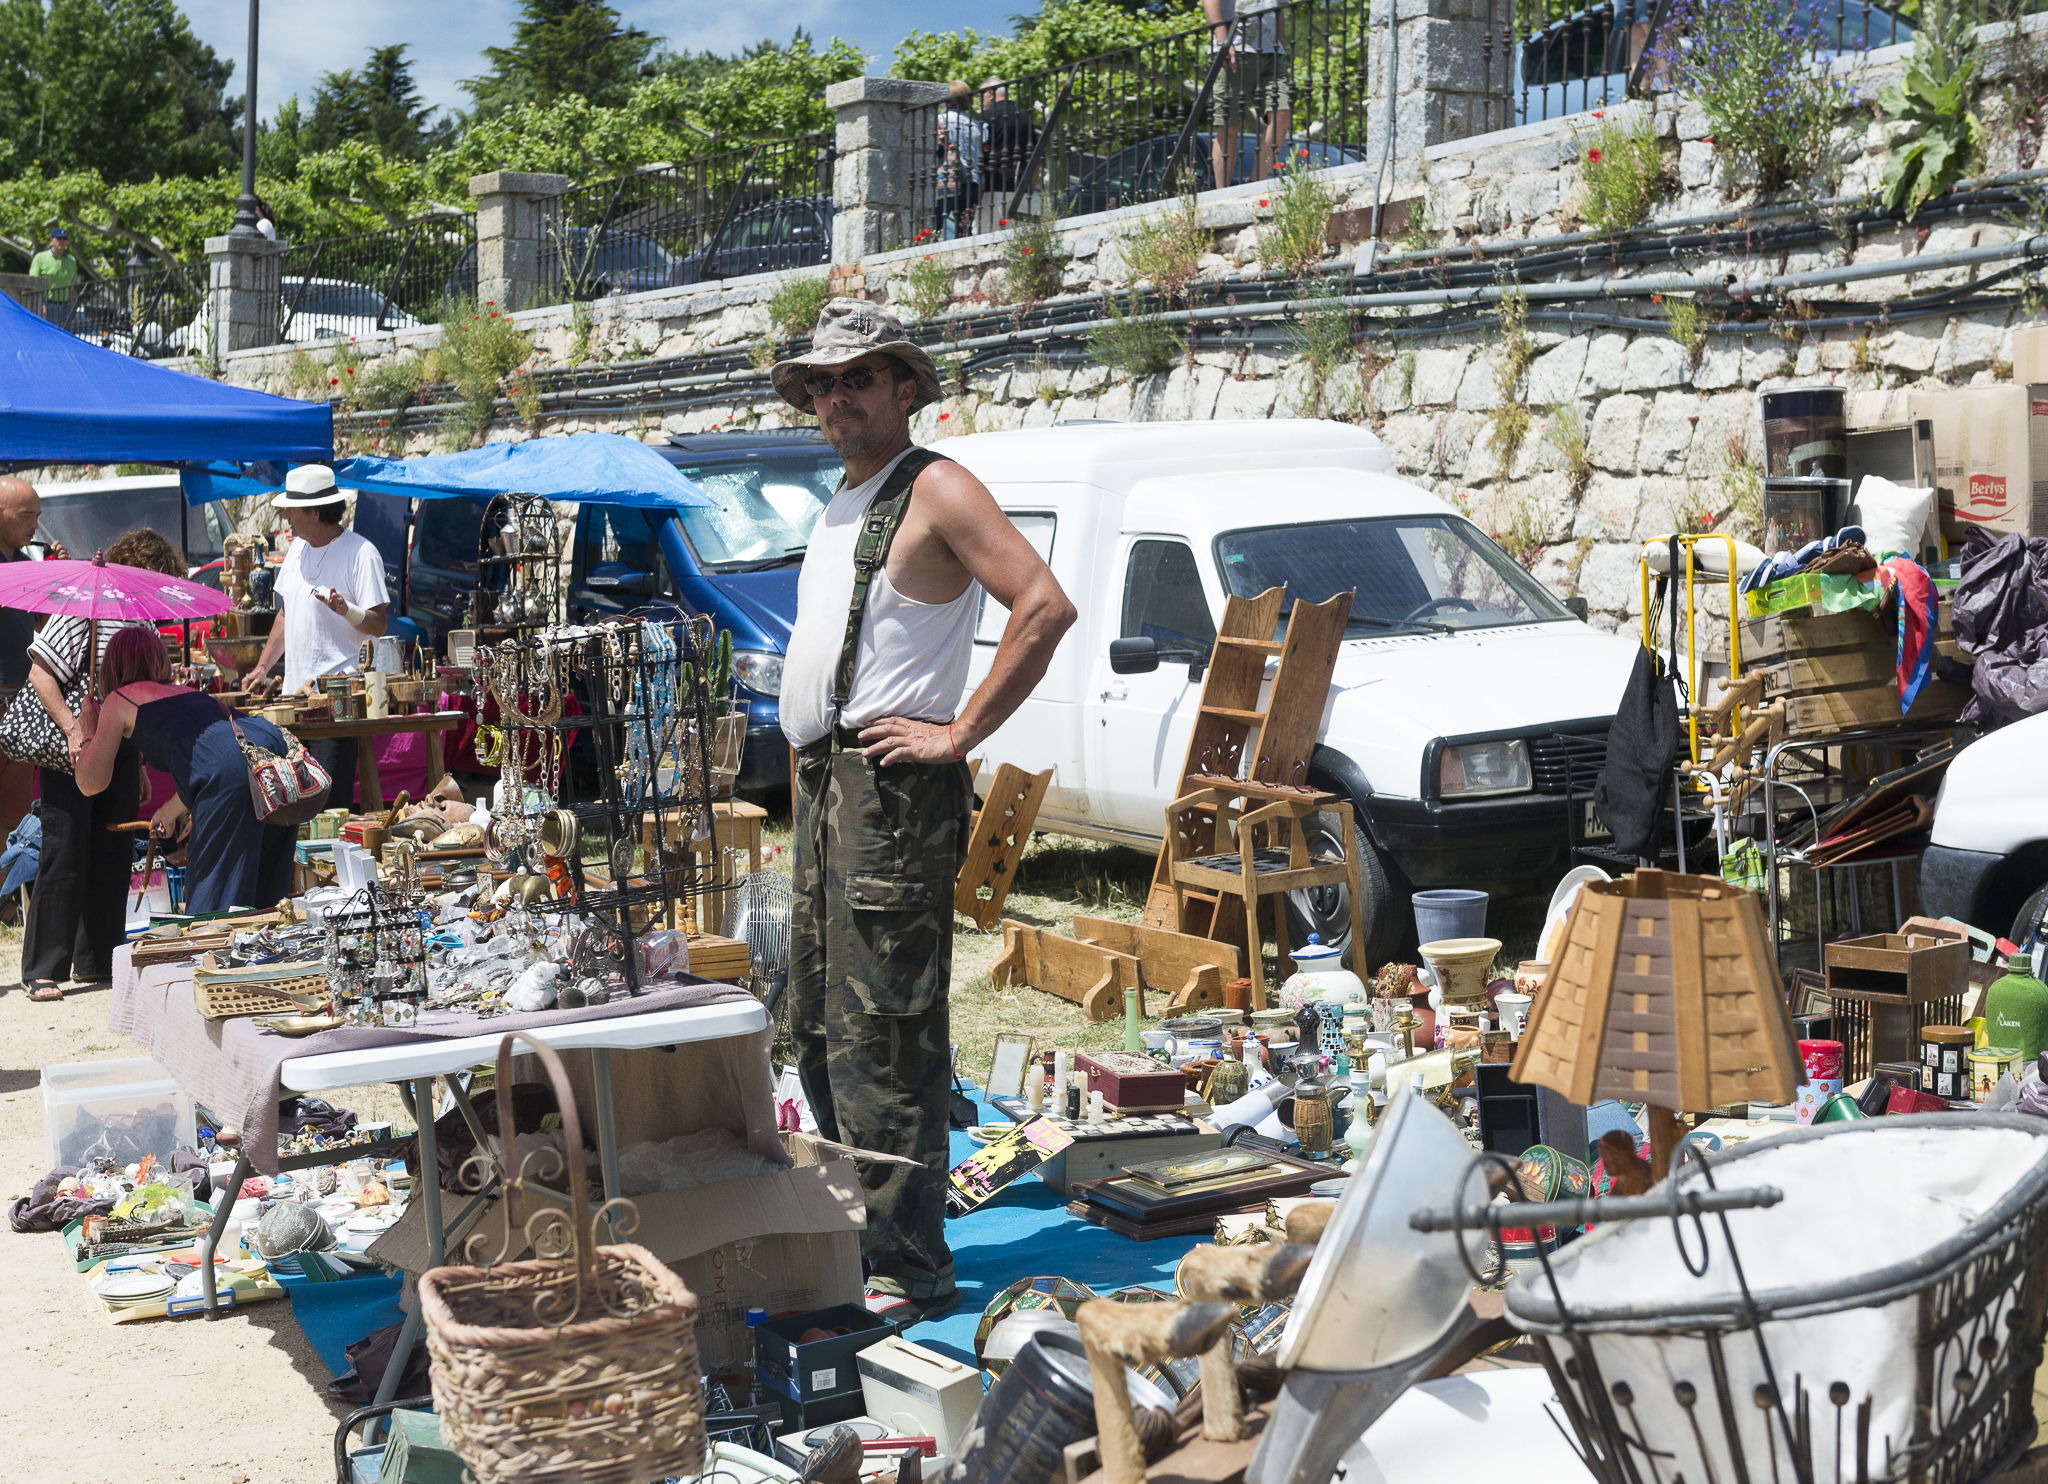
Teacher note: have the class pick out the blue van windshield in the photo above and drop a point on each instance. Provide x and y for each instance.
(766, 508)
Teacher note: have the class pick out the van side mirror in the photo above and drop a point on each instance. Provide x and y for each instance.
(615, 577)
(1139, 656)
(1576, 606)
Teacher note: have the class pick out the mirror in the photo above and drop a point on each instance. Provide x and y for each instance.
(615, 577)
(1139, 656)
(1576, 606)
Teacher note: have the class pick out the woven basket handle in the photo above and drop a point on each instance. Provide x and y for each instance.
(580, 1224)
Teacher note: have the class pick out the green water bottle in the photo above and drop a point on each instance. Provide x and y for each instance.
(2016, 1005)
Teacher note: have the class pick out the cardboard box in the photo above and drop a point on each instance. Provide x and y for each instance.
(2030, 355)
(1990, 457)
(786, 1242)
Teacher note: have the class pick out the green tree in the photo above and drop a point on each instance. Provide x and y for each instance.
(121, 87)
(1063, 32)
(562, 49)
(380, 104)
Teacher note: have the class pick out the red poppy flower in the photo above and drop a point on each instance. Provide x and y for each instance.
(1264, 202)
(1706, 520)
(1027, 252)
(1708, 140)
(351, 370)
(1301, 154)
(1004, 222)
(1593, 155)
(1599, 113)
(490, 303)
(944, 415)
(1656, 298)
(334, 381)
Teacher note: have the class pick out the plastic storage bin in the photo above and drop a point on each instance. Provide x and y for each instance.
(133, 1104)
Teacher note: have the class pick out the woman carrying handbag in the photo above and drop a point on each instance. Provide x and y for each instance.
(232, 857)
(77, 911)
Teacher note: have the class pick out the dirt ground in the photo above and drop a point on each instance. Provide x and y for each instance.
(242, 1400)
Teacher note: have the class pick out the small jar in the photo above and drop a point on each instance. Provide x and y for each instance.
(1944, 1068)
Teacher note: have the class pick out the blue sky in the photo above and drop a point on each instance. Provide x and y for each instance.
(300, 41)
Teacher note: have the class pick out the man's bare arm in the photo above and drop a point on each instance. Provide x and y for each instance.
(994, 552)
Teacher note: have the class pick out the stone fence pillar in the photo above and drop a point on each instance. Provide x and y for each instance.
(244, 293)
(1441, 70)
(881, 149)
(512, 208)
(24, 289)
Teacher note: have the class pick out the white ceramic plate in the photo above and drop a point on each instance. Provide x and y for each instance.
(133, 1288)
(370, 1221)
(1561, 905)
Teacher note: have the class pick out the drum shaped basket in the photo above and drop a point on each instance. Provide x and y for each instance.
(611, 1395)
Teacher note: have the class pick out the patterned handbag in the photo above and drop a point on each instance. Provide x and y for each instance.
(286, 789)
(29, 734)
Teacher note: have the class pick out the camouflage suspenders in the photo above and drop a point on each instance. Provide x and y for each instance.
(877, 533)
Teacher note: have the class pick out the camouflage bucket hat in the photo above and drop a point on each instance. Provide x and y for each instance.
(847, 330)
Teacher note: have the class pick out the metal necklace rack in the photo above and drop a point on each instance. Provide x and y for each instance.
(519, 564)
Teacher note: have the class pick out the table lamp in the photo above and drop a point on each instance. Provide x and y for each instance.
(1664, 992)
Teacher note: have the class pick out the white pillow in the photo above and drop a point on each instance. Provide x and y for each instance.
(1894, 517)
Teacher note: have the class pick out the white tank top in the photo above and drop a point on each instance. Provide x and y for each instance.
(913, 656)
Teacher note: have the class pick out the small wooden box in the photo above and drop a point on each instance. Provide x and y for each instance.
(1129, 1081)
(1885, 987)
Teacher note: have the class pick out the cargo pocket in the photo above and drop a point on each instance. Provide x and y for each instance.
(897, 964)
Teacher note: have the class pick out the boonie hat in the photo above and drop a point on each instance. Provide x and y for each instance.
(847, 330)
(309, 484)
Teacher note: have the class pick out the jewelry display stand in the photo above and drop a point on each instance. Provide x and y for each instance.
(519, 565)
(641, 692)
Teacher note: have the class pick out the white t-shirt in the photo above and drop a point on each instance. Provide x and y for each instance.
(317, 640)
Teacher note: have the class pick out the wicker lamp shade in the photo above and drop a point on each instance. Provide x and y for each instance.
(1664, 992)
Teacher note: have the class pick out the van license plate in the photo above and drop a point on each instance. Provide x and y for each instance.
(1590, 826)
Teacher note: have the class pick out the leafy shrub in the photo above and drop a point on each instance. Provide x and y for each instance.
(925, 288)
(793, 307)
(1300, 231)
(1622, 169)
(391, 383)
(1936, 92)
(1168, 248)
(1320, 337)
(479, 348)
(1750, 64)
(1033, 262)
(1684, 323)
(1133, 342)
(1567, 434)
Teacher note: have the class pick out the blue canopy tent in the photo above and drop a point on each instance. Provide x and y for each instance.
(588, 468)
(66, 401)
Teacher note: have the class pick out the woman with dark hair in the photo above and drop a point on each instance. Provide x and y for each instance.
(77, 910)
(232, 858)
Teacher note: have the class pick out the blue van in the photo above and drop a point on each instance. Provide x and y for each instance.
(736, 562)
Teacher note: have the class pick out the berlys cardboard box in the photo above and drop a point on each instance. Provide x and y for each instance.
(1990, 457)
(785, 1241)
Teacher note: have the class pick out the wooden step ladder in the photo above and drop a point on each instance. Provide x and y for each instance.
(1244, 730)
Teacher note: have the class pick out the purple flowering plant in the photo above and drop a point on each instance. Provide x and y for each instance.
(1757, 71)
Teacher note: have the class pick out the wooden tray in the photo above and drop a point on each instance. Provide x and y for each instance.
(263, 989)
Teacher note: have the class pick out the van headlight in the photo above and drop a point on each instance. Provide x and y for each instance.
(1474, 770)
(759, 670)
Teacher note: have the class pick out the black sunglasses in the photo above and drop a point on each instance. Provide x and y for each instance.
(858, 379)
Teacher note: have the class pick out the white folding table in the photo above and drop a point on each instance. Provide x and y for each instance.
(414, 1066)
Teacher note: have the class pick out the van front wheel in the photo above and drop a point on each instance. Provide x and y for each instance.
(1326, 910)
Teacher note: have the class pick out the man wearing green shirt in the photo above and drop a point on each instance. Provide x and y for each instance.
(56, 265)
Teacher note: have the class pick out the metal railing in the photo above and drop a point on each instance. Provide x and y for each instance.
(1147, 122)
(749, 209)
(1574, 57)
(150, 310)
(338, 287)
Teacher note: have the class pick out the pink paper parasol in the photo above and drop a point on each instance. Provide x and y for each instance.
(98, 590)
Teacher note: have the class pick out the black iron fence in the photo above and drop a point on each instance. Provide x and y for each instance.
(1574, 57)
(338, 287)
(1151, 121)
(149, 310)
(749, 209)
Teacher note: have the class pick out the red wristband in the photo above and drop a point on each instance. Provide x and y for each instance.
(958, 756)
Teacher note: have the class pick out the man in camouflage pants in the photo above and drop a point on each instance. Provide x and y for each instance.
(870, 700)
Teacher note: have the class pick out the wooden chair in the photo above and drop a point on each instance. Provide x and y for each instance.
(1268, 855)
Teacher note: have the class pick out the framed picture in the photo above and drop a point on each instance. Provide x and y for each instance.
(1006, 1067)
(1806, 993)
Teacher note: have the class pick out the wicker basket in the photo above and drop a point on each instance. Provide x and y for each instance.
(263, 989)
(580, 1369)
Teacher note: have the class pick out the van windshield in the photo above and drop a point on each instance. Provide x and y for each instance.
(1416, 572)
(766, 508)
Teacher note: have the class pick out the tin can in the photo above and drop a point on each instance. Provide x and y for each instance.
(1547, 1174)
(1841, 1108)
(1823, 1060)
(1943, 1052)
(1987, 1064)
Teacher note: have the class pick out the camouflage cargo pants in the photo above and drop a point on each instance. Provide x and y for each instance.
(871, 952)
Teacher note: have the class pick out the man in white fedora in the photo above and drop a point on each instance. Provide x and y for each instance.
(330, 597)
(871, 701)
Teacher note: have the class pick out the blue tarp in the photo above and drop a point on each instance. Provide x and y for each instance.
(66, 401)
(593, 468)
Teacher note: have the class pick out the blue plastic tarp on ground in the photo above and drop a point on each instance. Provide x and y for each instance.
(592, 468)
(66, 401)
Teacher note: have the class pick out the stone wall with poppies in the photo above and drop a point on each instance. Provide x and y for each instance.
(1561, 397)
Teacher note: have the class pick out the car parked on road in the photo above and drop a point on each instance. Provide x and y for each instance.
(789, 232)
(1141, 172)
(589, 263)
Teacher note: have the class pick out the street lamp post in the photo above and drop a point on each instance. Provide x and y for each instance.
(245, 204)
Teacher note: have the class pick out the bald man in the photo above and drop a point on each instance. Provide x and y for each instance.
(21, 511)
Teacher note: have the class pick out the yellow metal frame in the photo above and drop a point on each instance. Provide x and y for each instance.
(1692, 657)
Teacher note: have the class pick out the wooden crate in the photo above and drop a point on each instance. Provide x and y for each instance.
(1835, 672)
(1885, 988)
